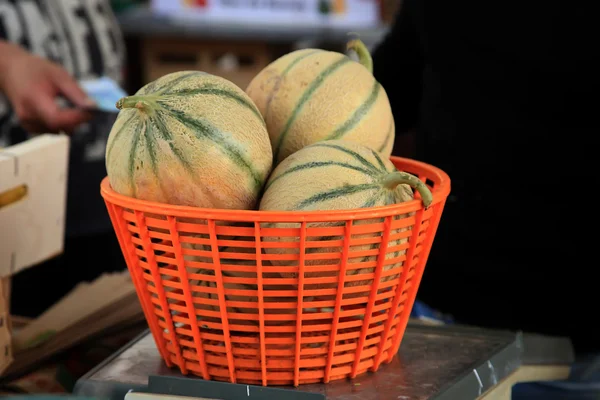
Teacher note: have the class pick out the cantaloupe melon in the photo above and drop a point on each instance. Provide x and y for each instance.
(338, 175)
(312, 95)
(189, 138)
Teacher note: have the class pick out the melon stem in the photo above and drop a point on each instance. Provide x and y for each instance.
(142, 103)
(394, 179)
(364, 56)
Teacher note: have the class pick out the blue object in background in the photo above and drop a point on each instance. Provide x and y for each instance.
(422, 311)
(105, 92)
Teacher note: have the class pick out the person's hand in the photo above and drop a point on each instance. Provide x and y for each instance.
(32, 85)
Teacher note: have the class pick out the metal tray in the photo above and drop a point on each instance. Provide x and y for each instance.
(434, 362)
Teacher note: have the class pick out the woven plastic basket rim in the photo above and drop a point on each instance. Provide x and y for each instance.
(439, 193)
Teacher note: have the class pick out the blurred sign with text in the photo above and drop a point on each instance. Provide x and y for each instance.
(343, 13)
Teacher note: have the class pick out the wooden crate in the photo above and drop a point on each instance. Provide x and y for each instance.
(6, 357)
(33, 185)
(33, 225)
(238, 62)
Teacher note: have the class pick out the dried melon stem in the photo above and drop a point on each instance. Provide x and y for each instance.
(147, 104)
(394, 179)
(361, 50)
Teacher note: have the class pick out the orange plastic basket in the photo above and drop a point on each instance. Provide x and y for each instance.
(226, 302)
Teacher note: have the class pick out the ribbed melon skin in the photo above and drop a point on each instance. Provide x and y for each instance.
(333, 175)
(202, 143)
(312, 95)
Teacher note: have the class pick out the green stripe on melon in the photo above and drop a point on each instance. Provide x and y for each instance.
(190, 138)
(295, 57)
(348, 176)
(304, 98)
(313, 95)
(348, 169)
(389, 137)
(358, 114)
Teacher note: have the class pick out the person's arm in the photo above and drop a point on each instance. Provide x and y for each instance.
(32, 84)
(398, 66)
(7, 52)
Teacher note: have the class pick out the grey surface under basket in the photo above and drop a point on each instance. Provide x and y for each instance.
(434, 362)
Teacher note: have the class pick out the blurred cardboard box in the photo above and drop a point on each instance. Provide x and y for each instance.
(235, 61)
(389, 10)
(105, 306)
